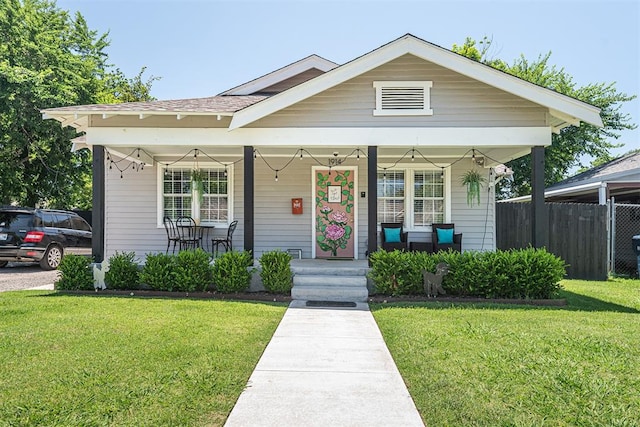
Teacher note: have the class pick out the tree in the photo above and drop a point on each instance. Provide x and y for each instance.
(573, 142)
(48, 59)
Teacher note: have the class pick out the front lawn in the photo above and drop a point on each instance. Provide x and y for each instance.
(82, 360)
(488, 365)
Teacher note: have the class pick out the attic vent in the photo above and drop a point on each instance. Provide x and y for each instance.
(403, 98)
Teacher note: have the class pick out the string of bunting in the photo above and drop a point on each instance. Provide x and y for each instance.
(137, 165)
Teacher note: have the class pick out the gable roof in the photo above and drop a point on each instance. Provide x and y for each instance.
(564, 110)
(615, 169)
(286, 72)
(245, 104)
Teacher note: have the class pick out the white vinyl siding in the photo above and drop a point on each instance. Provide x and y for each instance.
(403, 98)
(457, 101)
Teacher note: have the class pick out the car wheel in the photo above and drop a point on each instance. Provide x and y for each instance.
(3, 263)
(52, 257)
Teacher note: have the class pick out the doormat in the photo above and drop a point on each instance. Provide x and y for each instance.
(331, 304)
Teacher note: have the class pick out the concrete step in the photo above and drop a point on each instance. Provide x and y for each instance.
(330, 281)
(324, 271)
(329, 293)
(330, 288)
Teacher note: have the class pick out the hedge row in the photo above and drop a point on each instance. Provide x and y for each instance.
(525, 273)
(188, 271)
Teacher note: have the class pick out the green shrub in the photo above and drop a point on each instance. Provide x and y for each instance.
(276, 272)
(75, 273)
(123, 271)
(231, 272)
(159, 272)
(192, 271)
(526, 273)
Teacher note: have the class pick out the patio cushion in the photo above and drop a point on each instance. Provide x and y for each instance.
(392, 235)
(445, 235)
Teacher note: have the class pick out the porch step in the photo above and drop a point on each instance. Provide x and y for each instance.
(330, 281)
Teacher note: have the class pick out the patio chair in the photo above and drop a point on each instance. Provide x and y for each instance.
(444, 238)
(393, 236)
(172, 233)
(188, 233)
(226, 242)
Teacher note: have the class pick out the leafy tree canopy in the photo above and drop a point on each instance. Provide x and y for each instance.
(50, 59)
(573, 142)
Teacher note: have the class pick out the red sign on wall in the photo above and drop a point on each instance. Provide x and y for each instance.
(296, 206)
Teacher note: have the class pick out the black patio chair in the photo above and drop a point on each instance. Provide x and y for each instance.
(226, 242)
(188, 232)
(172, 234)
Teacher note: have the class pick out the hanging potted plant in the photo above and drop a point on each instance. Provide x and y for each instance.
(473, 181)
(197, 182)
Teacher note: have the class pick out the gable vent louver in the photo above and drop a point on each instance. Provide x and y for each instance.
(402, 98)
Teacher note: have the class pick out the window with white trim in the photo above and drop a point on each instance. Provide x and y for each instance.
(403, 98)
(415, 197)
(391, 196)
(428, 197)
(181, 198)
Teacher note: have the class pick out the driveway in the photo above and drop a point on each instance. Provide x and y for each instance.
(17, 276)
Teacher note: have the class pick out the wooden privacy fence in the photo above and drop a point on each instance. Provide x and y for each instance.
(577, 233)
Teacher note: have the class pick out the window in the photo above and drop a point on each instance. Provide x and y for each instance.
(428, 198)
(413, 196)
(179, 198)
(411, 98)
(391, 196)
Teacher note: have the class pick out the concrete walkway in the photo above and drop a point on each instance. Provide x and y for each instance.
(325, 367)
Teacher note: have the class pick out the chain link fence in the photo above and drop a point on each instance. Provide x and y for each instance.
(625, 223)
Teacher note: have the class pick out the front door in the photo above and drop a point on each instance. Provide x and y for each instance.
(335, 212)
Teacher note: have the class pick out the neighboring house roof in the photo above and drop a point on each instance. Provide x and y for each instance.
(302, 79)
(619, 177)
(616, 169)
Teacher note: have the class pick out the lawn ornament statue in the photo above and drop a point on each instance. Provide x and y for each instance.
(433, 281)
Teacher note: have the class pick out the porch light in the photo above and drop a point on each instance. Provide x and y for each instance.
(413, 157)
(276, 175)
(301, 154)
(442, 172)
(358, 155)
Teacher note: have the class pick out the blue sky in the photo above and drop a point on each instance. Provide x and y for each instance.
(201, 48)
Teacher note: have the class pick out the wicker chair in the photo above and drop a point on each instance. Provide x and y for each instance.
(387, 229)
(438, 245)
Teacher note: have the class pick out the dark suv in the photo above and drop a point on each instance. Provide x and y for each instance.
(42, 235)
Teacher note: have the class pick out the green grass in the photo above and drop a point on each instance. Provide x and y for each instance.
(490, 365)
(93, 361)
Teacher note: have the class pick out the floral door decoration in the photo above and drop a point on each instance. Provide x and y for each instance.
(334, 214)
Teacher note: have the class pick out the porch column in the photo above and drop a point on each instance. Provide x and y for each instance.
(98, 208)
(248, 199)
(539, 215)
(372, 202)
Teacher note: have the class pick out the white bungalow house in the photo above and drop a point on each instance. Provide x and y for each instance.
(385, 137)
